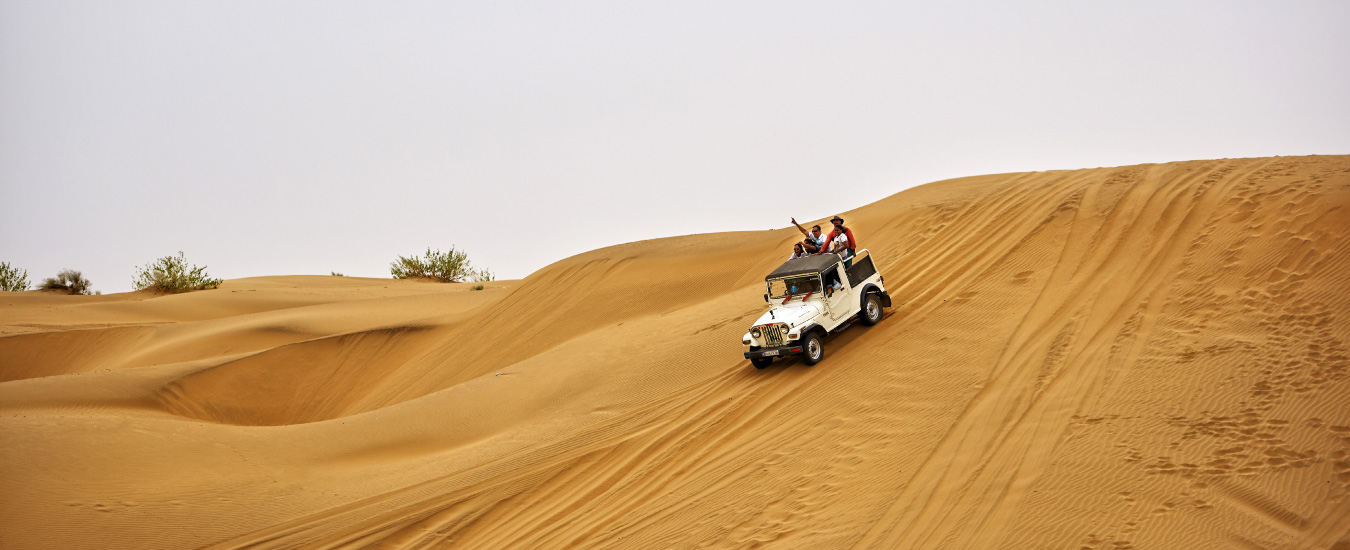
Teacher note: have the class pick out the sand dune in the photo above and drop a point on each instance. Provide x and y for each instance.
(1139, 357)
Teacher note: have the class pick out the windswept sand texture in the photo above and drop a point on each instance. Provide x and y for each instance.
(1141, 357)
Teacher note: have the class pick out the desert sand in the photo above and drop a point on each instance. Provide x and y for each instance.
(1144, 357)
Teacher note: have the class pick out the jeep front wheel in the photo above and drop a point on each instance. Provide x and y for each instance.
(812, 349)
(761, 362)
(871, 311)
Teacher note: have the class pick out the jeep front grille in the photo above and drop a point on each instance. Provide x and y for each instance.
(773, 335)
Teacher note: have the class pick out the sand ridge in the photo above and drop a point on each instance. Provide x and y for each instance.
(1147, 356)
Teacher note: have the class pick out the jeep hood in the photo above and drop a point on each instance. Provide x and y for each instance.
(792, 314)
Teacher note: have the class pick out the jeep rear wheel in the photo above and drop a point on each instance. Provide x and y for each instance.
(871, 311)
(812, 349)
(761, 362)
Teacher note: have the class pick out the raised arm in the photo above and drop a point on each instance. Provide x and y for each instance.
(800, 228)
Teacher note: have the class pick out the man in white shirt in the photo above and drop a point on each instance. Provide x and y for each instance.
(814, 235)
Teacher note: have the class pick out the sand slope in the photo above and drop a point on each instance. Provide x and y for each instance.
(1139, 357)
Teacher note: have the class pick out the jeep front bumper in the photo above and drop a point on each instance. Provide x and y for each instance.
(777, 351)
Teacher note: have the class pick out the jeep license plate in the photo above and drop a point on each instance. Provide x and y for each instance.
(771, 353)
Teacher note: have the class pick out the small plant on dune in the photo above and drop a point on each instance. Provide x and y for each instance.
(13, 279)
(336, 274)
(172, 274)
(477, 287)
(445, 267)
(68, 281)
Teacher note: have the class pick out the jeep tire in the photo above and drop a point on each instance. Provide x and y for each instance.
(761, 362)
(812, 349)
(871, 309)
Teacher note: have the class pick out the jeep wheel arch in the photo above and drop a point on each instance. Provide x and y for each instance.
(808, 329)
(870, 289)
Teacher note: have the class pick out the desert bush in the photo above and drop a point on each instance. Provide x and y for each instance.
(336, 274)
(13, 279)
(477, 287)
(68, 281)
(172, 274)
(445, 267)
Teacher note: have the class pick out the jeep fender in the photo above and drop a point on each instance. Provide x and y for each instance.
(870, 288)
(812, 327)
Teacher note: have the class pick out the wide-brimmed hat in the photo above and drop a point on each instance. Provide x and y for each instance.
(841, 220)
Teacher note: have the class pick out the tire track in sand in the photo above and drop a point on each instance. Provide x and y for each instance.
(945, 505)
(386, 514)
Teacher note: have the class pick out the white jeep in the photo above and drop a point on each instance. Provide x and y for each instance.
(811, 298)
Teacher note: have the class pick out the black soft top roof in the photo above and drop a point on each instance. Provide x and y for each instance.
(804, 266)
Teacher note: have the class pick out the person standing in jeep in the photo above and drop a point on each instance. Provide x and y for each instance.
(841, 240)
(814, 238)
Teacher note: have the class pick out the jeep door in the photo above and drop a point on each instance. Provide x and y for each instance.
(837, 301)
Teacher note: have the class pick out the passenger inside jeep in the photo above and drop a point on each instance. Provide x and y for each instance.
(803, 285)
(794, 286)
(832, 280)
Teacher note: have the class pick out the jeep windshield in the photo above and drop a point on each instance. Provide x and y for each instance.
(794, 286)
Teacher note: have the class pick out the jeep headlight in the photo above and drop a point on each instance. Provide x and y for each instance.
(755, 332)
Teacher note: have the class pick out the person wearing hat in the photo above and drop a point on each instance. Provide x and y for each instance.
(841, 241)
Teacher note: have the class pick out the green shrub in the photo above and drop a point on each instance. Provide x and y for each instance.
(477, 287)
(172, 274)
(445, 267)
(68, 281)
(336, 274)
(13, 279)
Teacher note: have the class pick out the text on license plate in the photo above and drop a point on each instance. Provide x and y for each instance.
(770, 353)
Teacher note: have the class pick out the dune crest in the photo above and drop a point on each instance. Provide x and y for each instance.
(1148, 356)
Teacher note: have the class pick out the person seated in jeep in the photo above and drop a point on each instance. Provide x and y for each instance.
(810, 247)
(801, 285)
(832, 282)
(798, 252)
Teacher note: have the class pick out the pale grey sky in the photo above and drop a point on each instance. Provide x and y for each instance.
(280, 138)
